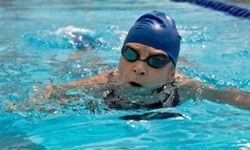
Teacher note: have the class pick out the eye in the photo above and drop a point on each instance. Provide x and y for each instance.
(157, 61)
(130, 54)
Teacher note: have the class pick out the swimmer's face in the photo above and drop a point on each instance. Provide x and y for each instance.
(140, 73)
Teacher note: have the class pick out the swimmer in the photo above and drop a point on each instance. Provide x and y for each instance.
(146, 76)
(80, 38)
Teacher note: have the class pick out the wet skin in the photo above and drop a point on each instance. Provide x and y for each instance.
(139, 74)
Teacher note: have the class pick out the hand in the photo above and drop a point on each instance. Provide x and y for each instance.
(48, 91)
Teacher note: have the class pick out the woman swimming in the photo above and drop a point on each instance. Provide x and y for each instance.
(146, 76)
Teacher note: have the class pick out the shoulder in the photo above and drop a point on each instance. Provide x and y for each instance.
(113, 77)
(182, 79)
(187, 88)
(186, 84)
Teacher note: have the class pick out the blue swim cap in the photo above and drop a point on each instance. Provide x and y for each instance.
(157, 30)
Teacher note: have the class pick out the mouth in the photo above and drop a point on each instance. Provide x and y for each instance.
(134, 84)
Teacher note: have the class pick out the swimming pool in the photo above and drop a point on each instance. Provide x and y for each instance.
(33, 55)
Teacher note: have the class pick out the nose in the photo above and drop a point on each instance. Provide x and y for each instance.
(139, 70)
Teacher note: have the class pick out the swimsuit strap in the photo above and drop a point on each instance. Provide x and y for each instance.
(172, 97)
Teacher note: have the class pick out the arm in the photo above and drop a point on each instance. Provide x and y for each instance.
(58, 91)
(232, 96)
(99, 79)
(196, 90)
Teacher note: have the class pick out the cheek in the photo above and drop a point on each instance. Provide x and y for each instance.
(157, 75)
(124, 67)
(161, 76)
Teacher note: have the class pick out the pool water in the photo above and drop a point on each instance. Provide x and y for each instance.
(33, 55)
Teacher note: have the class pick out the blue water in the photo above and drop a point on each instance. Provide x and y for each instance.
(33, 55)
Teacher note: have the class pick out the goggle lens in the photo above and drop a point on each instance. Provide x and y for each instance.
(130, 55)
(157, 61)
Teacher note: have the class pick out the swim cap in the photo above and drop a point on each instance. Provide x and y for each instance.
(157, 30)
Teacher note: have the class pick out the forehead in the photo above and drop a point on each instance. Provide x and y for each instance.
(144, 49)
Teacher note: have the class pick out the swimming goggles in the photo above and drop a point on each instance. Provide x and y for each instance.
(155, 61)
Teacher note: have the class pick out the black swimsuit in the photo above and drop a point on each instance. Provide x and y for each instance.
(172, 98)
